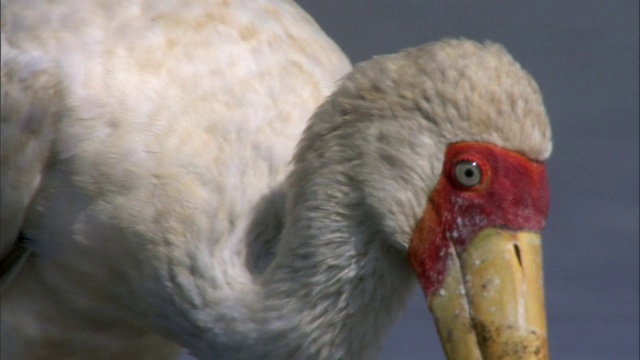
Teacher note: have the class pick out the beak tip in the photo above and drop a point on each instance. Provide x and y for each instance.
(500, 342)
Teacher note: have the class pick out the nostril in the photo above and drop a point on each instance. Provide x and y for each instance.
(517, 250)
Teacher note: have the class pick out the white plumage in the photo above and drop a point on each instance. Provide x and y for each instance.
(145, 147)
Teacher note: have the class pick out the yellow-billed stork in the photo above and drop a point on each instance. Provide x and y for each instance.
(149, 202)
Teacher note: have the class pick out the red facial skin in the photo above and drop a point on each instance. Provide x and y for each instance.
(513, 193)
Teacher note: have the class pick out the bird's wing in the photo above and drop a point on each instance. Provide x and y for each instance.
(30, 106)
(150, 116)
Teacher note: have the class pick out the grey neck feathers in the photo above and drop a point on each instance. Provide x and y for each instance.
(333, 288)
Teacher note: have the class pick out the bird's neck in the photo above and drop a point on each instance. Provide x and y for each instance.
(333, 287)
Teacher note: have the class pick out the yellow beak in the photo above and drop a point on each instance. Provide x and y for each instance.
(492, 303)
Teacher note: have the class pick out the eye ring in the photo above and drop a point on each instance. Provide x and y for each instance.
(468, 173)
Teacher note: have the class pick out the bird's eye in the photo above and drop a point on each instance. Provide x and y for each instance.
(468, 173)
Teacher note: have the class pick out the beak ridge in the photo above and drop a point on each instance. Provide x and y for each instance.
(492, 303)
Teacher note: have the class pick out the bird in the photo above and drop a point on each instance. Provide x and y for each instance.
(216, 176)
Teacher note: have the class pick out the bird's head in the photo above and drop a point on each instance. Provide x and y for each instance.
(444, 145)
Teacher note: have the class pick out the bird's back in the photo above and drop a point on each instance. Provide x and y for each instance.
(136, 133)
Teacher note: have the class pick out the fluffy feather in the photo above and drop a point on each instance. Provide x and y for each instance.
(163, 214)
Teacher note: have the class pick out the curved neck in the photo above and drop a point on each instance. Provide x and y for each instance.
(333, 288)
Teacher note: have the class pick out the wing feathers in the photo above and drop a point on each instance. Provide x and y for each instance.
(31, 105)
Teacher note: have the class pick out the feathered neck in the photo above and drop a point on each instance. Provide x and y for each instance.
(332, 289)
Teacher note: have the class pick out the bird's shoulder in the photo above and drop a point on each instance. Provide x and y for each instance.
(167, 119)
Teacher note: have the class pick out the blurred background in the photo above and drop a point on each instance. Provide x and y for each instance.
(584, 55)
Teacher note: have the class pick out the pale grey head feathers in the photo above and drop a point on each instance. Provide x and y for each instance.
(469, 91)
(385, 130)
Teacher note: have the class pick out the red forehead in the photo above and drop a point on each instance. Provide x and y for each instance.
(513, 193)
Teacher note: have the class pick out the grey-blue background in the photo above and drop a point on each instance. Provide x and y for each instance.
(584, 55)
